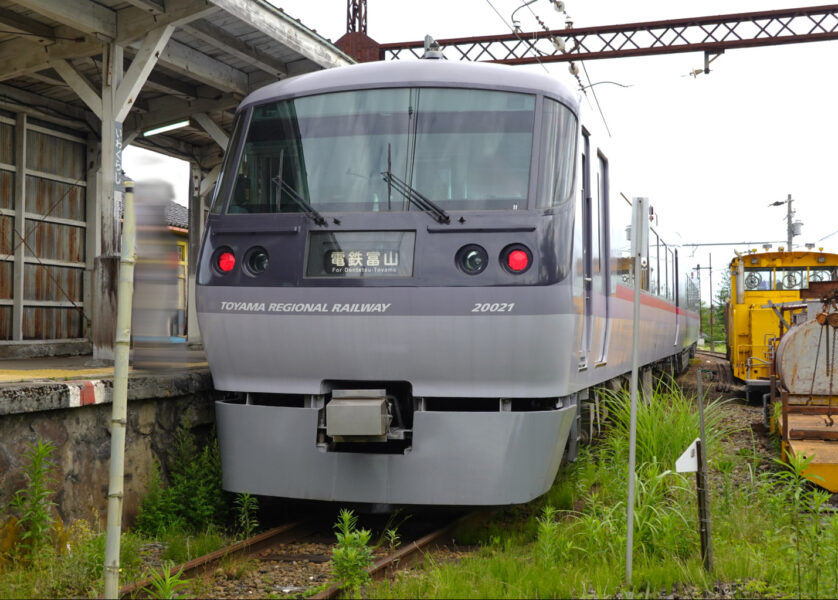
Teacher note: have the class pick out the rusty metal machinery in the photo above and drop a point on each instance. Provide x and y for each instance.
(711, 35)
(805, 366)
(805, 356)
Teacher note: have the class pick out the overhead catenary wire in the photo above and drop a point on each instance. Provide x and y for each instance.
(583, 88)
(517, 35)
(596, 100)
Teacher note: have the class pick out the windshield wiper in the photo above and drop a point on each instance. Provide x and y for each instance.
(308, 209)
(416, 198)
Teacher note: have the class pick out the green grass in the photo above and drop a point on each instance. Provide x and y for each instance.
(40, 557)
(572, 541)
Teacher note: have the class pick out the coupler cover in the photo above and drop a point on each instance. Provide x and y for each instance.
(356, 414)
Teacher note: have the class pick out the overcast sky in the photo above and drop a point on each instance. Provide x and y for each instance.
(711, 152)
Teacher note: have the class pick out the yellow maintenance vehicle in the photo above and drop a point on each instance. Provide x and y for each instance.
(765, 302)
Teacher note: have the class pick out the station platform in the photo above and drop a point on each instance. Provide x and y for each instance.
(70, 368)
(29, 385)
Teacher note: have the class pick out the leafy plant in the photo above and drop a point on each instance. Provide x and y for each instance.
(246, 508)
(792, 476)
(32, 503)
(551, 545)
(393, 539)
(196, 481)
(165, 584)
(194, 499)
(352, 555)
(158, 511)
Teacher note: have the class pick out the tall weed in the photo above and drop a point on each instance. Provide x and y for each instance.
(666, 426)
(352, 554)
(32, 503)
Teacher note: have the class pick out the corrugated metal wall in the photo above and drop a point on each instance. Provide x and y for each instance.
(55, 231)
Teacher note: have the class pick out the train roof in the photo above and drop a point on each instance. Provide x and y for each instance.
(415, 73)
(787, 259)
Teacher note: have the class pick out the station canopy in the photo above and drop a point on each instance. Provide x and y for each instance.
(182, 59)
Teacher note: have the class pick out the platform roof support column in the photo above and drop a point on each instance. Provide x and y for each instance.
(107, 208)
(118, 95)
(196, 230)
(20, 227)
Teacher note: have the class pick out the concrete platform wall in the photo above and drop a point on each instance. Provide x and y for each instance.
(75, 417)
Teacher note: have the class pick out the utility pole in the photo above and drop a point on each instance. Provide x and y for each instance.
(699, 268)
(792, 227)
(789, 231)
(712, 341)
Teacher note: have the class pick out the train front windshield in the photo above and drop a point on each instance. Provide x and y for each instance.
(463, 149)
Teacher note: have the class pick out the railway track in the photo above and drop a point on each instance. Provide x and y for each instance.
(294, 559)
(722, 378)
(720, 355)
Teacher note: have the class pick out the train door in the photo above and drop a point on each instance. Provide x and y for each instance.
(594, 260)
(601, 272)
(676, 296)
(587, 263)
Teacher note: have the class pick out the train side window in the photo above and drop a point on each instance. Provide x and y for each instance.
(558, 154)
(619, 240)
(672, 292)
(757, 278)
(654, 266)
(604, 217)
(789, 278)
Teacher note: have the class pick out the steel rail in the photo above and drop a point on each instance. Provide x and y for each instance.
(245, 547)
(402, 558)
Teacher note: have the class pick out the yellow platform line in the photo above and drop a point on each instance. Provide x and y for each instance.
(28, 375)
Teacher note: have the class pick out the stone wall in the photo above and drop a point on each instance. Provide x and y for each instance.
(75, 417)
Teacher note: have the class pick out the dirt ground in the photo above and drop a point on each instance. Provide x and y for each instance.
(745, 421)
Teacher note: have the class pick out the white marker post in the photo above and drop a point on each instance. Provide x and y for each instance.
(639, 238)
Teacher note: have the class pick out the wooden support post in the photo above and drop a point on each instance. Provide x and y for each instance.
(703, 509)
(701, 483)
(19, 227)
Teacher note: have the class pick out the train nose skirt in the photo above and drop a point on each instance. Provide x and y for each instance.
(456, 458)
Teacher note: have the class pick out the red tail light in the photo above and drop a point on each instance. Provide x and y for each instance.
(226, 262)
(518, 260)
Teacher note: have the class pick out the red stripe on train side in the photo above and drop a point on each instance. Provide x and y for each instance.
(627, 293)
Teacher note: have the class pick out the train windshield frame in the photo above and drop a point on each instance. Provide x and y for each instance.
(463, 148)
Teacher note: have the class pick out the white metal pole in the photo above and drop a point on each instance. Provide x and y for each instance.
(639, 229)
(119, 411)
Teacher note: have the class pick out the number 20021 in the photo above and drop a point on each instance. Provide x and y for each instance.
(494, 307)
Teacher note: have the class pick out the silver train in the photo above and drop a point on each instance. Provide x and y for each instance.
(411, 274)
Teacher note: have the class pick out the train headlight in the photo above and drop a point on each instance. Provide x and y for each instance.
(472, 259)
(224, 260)
(516, 258)
(256, 260)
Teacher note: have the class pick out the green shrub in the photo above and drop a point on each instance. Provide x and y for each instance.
(194, 499)
(158, 510)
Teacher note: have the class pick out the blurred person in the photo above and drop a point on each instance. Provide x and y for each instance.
(155, 304)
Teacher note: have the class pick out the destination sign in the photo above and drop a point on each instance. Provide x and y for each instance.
(360, 254)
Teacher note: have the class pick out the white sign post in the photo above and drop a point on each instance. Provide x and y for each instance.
(639, 241)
